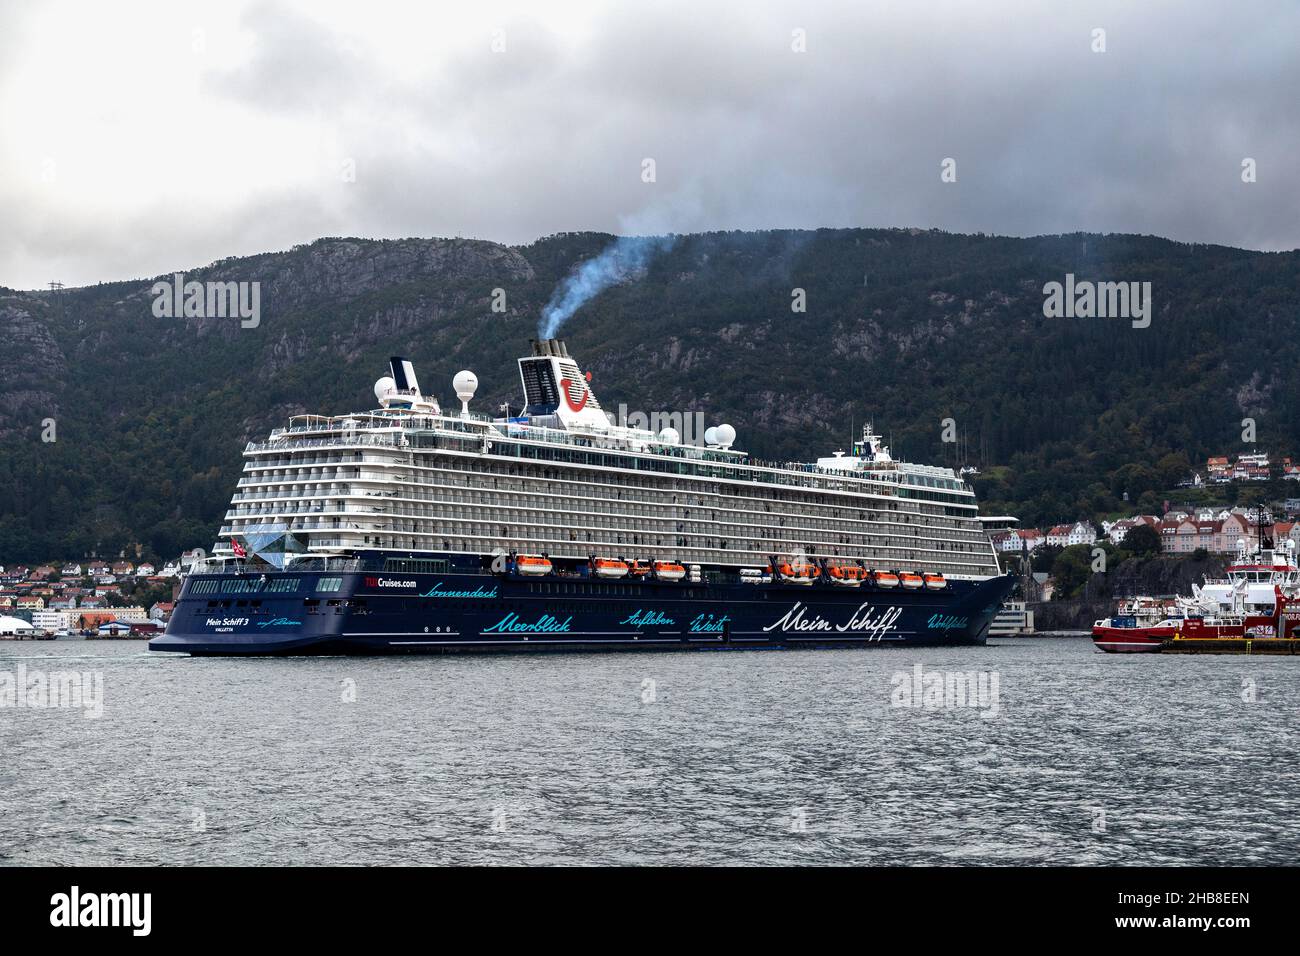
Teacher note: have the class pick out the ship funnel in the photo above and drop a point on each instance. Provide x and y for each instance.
(404, 375)
(550, 348)
(401, 389)
(554, 385)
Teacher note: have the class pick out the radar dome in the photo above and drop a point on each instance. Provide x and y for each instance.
(465, 383)
(725, 435)
(669, 436)
(711, 435)
(385, 386)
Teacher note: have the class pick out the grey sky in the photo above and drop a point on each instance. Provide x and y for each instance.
(153, 136)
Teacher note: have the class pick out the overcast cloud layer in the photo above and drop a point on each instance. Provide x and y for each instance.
(146, 137)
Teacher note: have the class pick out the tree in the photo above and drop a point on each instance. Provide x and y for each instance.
(1142, 541)
(1071, 570)
(1173, 468)
(1044, 557)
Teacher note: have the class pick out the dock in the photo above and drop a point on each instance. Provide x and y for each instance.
(1232, 645)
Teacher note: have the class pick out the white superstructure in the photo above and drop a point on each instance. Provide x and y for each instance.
(561, 479)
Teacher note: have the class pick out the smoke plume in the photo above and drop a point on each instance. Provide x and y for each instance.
(621, 260)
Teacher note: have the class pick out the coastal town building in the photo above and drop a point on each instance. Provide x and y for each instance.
(17, 627)
(1066, 535)
(1256, 466)
(1018, 540)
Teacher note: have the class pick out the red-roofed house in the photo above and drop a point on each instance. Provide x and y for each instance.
(1059, 535)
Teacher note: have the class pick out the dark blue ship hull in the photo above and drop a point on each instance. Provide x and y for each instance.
(467, 610)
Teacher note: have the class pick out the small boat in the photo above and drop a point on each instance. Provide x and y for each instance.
(935, 582)
(531, 565)
(798, 573)
(668, 571)
(911, 581)
(885, 579)
(638, 570)
(1119, 635)
(845, 575)
(609, 568)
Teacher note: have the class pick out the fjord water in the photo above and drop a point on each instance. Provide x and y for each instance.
(754, 757)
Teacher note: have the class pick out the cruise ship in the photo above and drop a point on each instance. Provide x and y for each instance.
(407, 529)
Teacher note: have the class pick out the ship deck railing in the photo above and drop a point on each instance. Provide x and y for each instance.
(885, 476)
(218, 566)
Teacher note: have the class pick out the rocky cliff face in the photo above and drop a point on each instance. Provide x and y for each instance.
(32, 366)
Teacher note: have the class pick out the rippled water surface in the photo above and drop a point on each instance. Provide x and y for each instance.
(757, 757)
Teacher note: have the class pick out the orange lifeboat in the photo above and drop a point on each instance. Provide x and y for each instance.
(845, 575)
(885, 579)
(638, 570)
(910, 580)
(528, 564)
(935, 582)
(609, 568)
(796, 573)
(668, 571)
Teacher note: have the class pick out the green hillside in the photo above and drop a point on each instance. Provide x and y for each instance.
(902, 327)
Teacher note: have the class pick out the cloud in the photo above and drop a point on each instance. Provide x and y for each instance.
(299, 119)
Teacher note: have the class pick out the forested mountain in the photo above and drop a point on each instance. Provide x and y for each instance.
(902, 327)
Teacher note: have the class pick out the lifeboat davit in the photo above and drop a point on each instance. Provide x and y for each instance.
(911, 581)
(668, 571)
(846, 576)
(527, 564)
(609, 568)
(935, 582)
(885, 579)
(796, 573)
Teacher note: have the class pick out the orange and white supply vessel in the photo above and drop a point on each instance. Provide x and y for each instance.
(1259, 599)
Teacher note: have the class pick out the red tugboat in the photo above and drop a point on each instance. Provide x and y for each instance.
(1259, 600)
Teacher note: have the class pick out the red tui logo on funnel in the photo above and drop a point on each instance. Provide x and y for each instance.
(564, 388)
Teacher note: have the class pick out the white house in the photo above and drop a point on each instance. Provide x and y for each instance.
(1082, 532)
(1058, 535)
(1022, 539)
